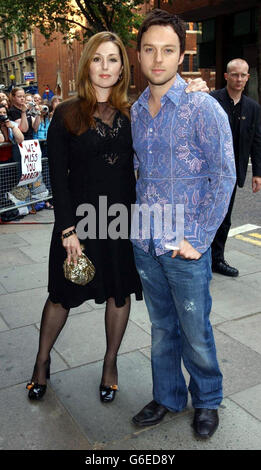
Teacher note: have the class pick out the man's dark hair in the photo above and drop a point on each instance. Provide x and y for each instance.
(163, 18)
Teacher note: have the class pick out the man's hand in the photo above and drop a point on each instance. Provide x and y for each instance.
(197, 84)
(186, 251)
(256, 184)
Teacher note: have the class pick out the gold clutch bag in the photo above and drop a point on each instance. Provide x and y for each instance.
(80, 274)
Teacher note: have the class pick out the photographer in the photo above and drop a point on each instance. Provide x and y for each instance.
(28, 120)
(9, 131)
(41, 135)
(41, 132)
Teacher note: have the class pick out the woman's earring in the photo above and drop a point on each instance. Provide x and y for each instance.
(120, 76)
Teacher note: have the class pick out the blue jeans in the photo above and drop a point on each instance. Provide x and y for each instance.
(176, 293)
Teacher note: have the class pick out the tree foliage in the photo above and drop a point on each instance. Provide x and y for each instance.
(78, 19)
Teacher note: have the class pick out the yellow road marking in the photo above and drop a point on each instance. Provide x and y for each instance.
(248, 240)
(256, 235)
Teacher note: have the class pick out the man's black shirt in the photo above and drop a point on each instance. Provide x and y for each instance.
(234, 117)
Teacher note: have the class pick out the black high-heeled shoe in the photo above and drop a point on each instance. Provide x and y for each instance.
(37, 391)
(107, 393)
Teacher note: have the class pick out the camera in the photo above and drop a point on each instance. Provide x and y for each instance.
(32, 111)
(45, 108)
(4, 118)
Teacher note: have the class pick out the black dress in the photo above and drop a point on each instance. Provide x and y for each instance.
(95, 168)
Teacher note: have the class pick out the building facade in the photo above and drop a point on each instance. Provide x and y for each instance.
(18, 61)
(33, 64)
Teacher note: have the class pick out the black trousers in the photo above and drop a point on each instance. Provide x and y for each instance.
(218, 244)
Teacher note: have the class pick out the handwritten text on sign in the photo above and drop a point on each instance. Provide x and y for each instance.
(31, 160)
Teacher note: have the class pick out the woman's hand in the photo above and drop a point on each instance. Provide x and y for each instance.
(23, 108)
(72, 246)
(2, 137)
(9, 125)
(197, 84)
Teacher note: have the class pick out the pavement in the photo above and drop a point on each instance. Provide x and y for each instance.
(71, 416)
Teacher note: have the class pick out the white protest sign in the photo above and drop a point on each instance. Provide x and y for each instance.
(31, 161)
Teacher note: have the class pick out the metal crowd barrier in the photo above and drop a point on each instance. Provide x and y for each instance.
(13, 196)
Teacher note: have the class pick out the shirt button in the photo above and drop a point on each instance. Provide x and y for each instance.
(151, 130)
(150, 151)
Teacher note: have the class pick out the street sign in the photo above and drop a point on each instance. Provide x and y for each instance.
(29, 76)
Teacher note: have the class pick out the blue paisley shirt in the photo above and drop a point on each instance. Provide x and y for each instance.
(184, 156)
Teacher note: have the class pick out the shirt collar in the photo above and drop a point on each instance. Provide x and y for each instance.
(231, 99)
(172, 94)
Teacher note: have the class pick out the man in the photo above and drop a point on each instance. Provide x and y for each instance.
(244, 117)
(184, 150)
(18, 113)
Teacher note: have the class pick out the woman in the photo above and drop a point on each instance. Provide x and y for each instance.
(54, 103)
(90, 155)
(5, 102)
(41, 135)
(4, 97)
(9, 131)
(18, 112)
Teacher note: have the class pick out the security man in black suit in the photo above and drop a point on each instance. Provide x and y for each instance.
(245, 120)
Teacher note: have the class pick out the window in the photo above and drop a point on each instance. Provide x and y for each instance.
(19, 45)
(208, 30)
(242, 23)
(7, 73)
(12, 46)
(132, 80)
(195, 63)
(14, 71)
(30, 40)
(5, 48)
(186, 63)
(21, 72)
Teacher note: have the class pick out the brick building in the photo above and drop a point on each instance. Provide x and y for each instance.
(36, 63)
(17, 60)
(57, 64)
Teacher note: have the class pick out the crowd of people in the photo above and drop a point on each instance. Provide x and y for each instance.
(28, 112)
(25, 116)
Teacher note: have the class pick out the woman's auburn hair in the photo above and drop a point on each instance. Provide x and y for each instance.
(78, 111)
